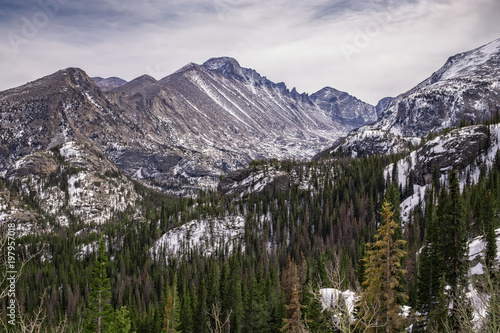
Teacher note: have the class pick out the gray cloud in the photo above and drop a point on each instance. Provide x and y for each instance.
(369, 48)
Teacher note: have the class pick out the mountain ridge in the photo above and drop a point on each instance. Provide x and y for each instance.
(466, 88)
(179, 133)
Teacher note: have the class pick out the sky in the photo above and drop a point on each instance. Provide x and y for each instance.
(370, 49)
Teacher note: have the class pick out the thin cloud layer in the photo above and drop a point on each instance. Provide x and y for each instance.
(370, 49)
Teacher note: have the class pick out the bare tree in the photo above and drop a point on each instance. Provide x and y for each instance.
(339, 313)
(220, 325)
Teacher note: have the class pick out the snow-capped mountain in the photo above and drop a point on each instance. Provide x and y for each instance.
(466, 88)
(181, 132)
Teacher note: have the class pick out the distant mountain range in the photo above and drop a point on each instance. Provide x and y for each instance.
(76, 144)
(181, 132)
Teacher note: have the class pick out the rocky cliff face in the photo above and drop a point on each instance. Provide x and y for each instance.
(72, 182)
(344, 108)
(466, 88)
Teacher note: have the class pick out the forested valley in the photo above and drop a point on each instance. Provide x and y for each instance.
(328, 223)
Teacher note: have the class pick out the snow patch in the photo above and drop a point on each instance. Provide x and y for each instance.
(207, 236)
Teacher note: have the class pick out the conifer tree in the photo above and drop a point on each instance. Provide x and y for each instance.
(453, 243)
(294, 323)
(430, 262)
(234, 295)
(292, 286)
(186, 314)
(382, 275)
(99, 312)
(489, 235)
(121, 322)
(172, 307)
(438, 317)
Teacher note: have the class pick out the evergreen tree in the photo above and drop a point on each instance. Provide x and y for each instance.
(294, 322)
(186, 314)
(453, 243)
(234, 298)
(121, 322)
(292, 279)
(489, 235)
(99, 312)
(172, 307)
(430, 262)
(438, 317)
(382, 275)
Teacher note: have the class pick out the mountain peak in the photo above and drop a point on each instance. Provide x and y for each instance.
(139, 84)
(327, 90)
(227, 66)
(463, 64)
(220, 62)
(346, 108)
(108, 83)
(54, 82)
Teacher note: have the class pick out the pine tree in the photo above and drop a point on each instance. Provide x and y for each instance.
(172, 306)
(99, 312)
(438, 317)
(453, 243)
(187, 323)
(292, 276)
(294, 322)
(489, 235)
(121, 322)
(234, 297)
(430, 262)
(383, 270)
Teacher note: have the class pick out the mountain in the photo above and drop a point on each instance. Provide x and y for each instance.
(344, 108)
(108, 83)
(466, 88)
(180, 133)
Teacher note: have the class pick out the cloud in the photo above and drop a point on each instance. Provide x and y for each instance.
(370, 49)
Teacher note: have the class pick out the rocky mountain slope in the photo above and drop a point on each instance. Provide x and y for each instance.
(70, 183)
(466, 88)
(179, 133)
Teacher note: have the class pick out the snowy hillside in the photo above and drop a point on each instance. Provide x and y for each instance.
(466, 88)
(205, 236)
(477, 247)
(465, 149)
(72, 181)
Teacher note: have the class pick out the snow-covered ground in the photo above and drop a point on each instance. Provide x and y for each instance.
(476, 248)
(206, 236)
(478, 299)
(444, 145)
(330, 298)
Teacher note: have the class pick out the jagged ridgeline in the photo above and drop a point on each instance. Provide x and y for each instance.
(214, 196)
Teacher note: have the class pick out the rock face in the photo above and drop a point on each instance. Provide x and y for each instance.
(471, 151)
(466, 88)
(72, 182)
(179, 133)
(344, 108)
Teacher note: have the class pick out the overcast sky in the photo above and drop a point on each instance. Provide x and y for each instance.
(370, 49)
